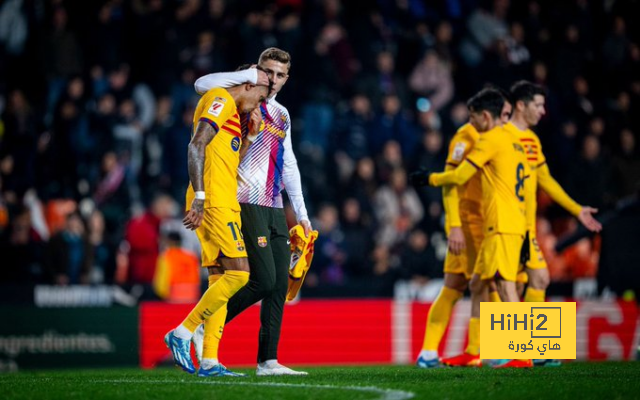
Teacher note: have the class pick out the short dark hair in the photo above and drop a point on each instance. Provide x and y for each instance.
(488, 99)
(275, 54)
(525, 91)
(504, 93)
(175, 237)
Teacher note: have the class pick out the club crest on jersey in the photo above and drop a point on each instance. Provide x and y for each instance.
(458, 151)
(262, 241)
(216, 108)
(240, 246)
(235, 143)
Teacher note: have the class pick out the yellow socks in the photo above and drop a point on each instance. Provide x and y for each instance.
(213, 327)
(215, 297)
(532, 295)
(494, 297)
(438, 318)
(473, 347)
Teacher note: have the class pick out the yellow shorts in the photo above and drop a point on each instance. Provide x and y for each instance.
(536, 258)
(465, 262)
(220, 235)
(522, 277)
(499, 255)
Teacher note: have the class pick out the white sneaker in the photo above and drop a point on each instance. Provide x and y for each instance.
(198, 342)
(276, 369)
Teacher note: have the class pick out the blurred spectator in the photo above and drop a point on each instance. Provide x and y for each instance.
(570, 59)
(329, 259)
(177, 275)
(484, 28)
(398, 209)
(587, 177)
(432, 156)
(626, 166)
(21, 250)
(111, 194)
(385, 81)
(18, 144)
(418, 262)
(362, 187)
(581, 104)
(101, 251)
(431, 79)
(67, 255)
(152, 174)
(358, 242)
(353, 129)
(392, 123)
(143, 236)
(62, 55)
(174, 154)
(205, 57)
(389, 160)
(615, 47)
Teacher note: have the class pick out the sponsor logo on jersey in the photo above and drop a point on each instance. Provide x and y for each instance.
(240, 246)
(216, 108)
(235, 143)
(262, 241)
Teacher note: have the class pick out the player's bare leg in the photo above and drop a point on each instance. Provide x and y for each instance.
(538, 284)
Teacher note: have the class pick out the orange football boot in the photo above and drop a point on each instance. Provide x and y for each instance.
(463, 360)
(517, 364)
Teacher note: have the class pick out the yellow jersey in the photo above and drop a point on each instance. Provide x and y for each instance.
(222, 155)
(532, 148)
(469, 193)
(540, 175)
(501, 158)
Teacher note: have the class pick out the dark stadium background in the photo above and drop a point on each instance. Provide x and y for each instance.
(96, 102)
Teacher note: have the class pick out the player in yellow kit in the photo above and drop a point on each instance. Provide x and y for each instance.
(213, 209)
(501, 160)
(463, 224)
(529, 101)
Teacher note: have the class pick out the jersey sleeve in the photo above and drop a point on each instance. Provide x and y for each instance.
(459, 148)
(225, 79)
(458, 176)
(451, 202)
(291, 179)
(218, 106)
(484, 149)
(555, 191)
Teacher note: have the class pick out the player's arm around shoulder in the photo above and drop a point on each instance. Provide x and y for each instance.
(225, 80)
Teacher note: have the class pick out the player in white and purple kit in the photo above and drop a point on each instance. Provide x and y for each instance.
(269, 165)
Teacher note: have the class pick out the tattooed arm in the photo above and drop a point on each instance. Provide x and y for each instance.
(196, 154)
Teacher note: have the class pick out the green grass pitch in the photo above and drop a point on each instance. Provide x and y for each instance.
(575, 381)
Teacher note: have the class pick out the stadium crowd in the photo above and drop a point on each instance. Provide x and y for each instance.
(96, 101)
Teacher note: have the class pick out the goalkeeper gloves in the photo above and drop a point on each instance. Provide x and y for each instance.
(420, 177)
(302, 248)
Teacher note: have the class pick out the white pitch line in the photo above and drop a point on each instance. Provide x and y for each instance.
(385, 394)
